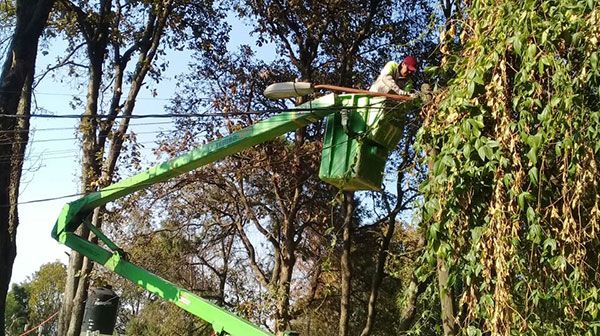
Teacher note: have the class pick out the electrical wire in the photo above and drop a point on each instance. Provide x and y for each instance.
(67, 94)
(64, 139)
(149, 184)
(75, 138)
(35, 130)
(213, 114)
(175, 115)
(59, 154)
(134, 116)
(83, 194)
(52, 155)
(71, 138)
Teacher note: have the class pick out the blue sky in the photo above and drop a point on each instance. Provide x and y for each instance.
(55, 164)
(56, 167)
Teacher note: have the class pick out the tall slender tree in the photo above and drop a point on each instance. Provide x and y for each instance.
(114, 33)
(16, 82)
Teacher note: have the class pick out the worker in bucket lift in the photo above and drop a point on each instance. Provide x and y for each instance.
(394, 76)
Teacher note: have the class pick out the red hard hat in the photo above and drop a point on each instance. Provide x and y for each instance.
(411, 63)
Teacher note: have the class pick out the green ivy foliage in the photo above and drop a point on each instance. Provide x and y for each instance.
(513, 199)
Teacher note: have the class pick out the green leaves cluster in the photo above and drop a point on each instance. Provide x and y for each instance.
(35, 300)
(512, 201)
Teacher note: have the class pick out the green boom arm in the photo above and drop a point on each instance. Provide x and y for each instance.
(76, 213)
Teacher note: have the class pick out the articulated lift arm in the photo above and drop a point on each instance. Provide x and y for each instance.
(76, 213)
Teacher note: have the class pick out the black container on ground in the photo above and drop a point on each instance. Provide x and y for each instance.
(100, 311)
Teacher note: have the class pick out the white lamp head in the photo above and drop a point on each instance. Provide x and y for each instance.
(288, 90)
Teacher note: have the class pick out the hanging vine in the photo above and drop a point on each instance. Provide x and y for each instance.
(513, 199)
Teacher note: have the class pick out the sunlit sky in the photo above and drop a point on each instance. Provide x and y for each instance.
(53, 166)
(55, 169)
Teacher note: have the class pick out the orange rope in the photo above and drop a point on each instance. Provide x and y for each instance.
(352, 90)
(39, 325)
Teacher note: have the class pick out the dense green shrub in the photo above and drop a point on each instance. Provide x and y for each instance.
(512, 202)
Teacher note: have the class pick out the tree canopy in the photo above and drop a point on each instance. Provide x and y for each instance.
(36, 300)
(487, 222)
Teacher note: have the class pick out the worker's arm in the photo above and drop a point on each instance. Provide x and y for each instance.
(389, 81)
(388, 76)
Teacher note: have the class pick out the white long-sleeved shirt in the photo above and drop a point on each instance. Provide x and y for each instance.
(390, 80)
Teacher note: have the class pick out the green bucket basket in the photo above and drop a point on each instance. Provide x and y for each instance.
(354, 156)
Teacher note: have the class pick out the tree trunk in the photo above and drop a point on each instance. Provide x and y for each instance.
(446, 301)
(346, 264)
(378, 276)
(287, 246)
(94, 136)
(288, 259)
(408, 310)
(73, 304)
(411, 293)
(90, 176)
(81, 292)
(15, 97)
(283, 297)
(75, 262)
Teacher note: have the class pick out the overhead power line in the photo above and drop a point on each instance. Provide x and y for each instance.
(73, 94)
(174, 115)
(75, 138)
(129, 132)
(83, 194)
(52, 129)
(50, 199)
(148, 184)
(53, 154)
(135, 116)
